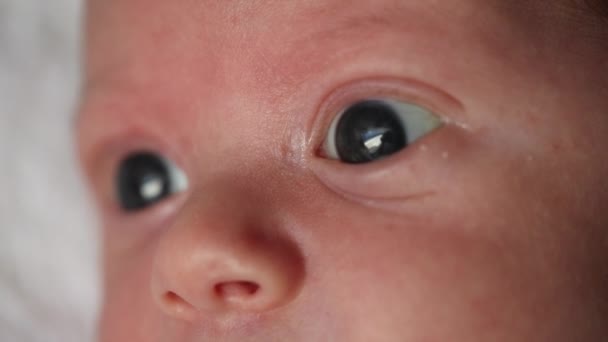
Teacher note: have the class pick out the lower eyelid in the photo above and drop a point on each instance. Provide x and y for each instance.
(366, 180)
(412, 172)
(139, 225)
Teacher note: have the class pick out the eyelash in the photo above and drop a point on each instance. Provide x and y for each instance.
(403, 90)
(376, 128)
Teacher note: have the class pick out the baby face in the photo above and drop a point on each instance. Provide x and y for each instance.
(371, 171)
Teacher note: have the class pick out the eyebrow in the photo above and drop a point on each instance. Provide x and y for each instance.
(383, 17)
(311, 50)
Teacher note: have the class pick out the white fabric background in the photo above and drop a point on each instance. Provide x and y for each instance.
(48, 243)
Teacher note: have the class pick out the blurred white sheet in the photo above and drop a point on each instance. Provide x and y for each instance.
(48, 243)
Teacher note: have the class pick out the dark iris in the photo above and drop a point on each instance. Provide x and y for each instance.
(368, 131)
(142, 180)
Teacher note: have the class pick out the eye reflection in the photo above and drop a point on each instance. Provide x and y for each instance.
(370, 130)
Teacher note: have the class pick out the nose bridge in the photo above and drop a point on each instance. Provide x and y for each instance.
(240, 131)
(224, 254)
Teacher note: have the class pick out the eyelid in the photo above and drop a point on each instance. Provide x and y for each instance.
(426, 122)
(446, 107)
(103, 164)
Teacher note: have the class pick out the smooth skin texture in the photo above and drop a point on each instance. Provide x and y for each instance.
(491, 228)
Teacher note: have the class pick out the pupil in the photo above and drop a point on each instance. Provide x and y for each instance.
(142, 180)
(369, 131)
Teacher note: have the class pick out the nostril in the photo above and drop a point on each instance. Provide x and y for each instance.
(177, 306)
(236, 290)
(173, 299)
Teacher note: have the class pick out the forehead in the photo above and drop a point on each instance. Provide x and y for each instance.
(228, 34)
(225, 34)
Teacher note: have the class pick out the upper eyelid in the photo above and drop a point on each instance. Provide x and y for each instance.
(430, 122)
(122, 133)
(103, 153)
(449, 109)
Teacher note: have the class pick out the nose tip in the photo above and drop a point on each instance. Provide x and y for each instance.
(224, 274)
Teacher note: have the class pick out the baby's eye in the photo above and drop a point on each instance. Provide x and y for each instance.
(373, 129)
(145, 178)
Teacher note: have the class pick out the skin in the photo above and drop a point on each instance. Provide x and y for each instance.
(492, 227)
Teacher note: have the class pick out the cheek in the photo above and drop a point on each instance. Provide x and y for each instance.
(494, 250)
(386, 277)
(128, 313)
(484, 255)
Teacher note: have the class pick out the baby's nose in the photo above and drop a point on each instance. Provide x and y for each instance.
(218, 259)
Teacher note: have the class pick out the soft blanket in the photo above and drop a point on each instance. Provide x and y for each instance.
(48, 240)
